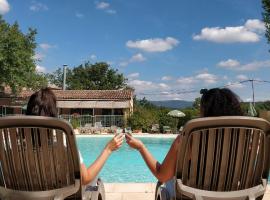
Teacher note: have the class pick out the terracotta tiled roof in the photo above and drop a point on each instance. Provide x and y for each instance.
(86, 94)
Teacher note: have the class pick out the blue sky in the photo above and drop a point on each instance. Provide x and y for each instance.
(165, 48)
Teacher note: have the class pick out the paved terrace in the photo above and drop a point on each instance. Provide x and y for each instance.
(140, 191)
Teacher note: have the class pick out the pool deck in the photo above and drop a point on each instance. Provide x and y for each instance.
(140, 191)
(134, 134)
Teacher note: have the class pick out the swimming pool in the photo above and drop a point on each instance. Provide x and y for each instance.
(126, 164)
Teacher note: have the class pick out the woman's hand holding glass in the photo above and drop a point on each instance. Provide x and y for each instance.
(115, 143)
(133, 142)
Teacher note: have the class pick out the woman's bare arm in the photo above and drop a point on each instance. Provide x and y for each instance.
(165, 171)
(89, 174)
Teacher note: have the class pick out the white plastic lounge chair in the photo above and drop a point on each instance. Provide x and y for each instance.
(224, 158)
(39, 160)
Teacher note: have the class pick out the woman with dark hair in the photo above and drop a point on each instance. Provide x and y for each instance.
(43, 103)
(219, 102)
(214, 102)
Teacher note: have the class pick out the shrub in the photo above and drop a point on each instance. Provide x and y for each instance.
(75, 122)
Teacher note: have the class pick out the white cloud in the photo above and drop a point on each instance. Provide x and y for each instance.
(93, 57)
(4, 7)
(203, 78)
(137, 58)
(40, 69)
(255, 25)
(105, 6)
(39, 56)
(102, 5)
(186, 80)
(236, 65)
(79, 15)
(133, 75)
(37, 6)
(46, 46)
(248, 100)
(141, 85)
(235, 85)
(225, 77)
(207, 78)
(123, 63)
(146, 86)
(241, 77)
(249, 32)
(154, 45)
(255, 65)
(230, 63)
(163, 86)
(166, 78)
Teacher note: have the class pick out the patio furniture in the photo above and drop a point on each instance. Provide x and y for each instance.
(221, 158)
(167, 129)
(155, 128)
(87, 129)
(39, 160)
(98, 127)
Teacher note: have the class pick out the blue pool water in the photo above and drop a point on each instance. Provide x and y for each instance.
(126, 164)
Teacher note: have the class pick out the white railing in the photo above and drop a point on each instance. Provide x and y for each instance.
(91, 121)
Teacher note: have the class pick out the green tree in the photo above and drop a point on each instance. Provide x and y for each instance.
(17, 64)
(196, 103)
(98, 76)
(266, 18)
(56, 77)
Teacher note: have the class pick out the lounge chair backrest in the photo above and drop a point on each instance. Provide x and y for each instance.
(38, 154)
(224, 153)
(98, 124)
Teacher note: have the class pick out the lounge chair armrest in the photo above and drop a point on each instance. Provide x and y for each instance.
(95, 192)
(56, 194)
(251, 193)
(162, 193)
(165, 191)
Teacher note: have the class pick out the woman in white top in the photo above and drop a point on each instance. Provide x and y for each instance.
(43, 103)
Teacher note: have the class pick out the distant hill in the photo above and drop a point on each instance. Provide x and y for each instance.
(173, 104)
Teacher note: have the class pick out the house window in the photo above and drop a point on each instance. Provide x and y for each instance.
(9, 111)
(106, 111)
(118, 111)
(1, 111)
(75, 111)
(87, 111)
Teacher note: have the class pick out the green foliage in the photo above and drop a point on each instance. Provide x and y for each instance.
(191, 113)
(75, 122)
(262, 105)
(197, 102)
(56, 77)
(17, 64)
(266, 18)
(259, 106)
(98, 76)
(164, 119)
(146, 114)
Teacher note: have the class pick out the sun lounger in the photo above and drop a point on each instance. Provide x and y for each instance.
(155, 128)
(39, 160)
(167, 129)
(221, 158)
